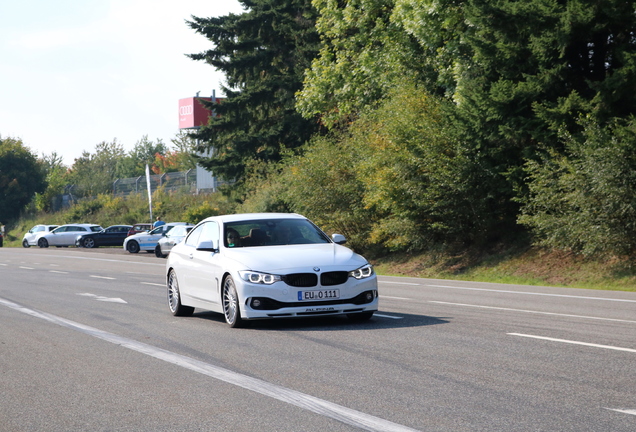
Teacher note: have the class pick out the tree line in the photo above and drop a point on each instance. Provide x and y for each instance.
(411, 124)
(30, 183)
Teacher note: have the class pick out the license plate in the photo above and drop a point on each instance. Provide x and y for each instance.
(316, 295)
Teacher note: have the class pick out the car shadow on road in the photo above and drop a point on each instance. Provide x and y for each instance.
(380, 320)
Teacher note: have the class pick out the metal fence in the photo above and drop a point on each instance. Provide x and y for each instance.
(185, 181)
(193, 181)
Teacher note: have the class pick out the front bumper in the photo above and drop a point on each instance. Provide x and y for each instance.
(260, 303)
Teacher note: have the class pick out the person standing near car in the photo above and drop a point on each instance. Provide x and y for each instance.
(158, 222)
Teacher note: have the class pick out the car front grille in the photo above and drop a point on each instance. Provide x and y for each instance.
(301, 279)
(333, 278)
(305, 280)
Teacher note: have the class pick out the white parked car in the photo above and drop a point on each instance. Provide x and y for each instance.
(172, 237)
(147, 241)
(29, 237)
(268, 265)
(65, 235)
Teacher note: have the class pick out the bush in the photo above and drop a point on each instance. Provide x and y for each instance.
(585, 199)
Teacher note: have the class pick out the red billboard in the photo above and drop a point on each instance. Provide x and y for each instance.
(192, 113)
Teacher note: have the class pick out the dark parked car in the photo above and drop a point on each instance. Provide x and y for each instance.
(111, 236)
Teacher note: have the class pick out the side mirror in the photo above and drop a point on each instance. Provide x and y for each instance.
(208, 246)
(339, 238)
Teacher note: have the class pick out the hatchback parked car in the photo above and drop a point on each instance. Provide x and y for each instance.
(147, 241)
(268, 265)
(112, 236)
(29, 237)
(65, 235)
(172, 237)
(139, 228)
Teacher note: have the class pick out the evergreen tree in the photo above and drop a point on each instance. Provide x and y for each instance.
(263, 53)
(21, 177)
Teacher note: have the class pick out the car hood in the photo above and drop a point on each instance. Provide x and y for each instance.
(296, 258)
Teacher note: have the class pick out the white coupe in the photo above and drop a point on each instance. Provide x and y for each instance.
(268, 265)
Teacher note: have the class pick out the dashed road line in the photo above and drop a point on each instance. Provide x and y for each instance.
(533, 312)
(574, 342)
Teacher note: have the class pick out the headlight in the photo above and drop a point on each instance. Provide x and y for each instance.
(363, 272)
(259, 278)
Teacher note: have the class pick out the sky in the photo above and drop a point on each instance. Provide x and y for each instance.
(76, 73)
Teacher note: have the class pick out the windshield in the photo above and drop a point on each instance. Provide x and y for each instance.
(272, 232)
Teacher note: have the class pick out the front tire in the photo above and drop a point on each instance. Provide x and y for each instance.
(25, 244)
(231, 305)
(174, 297)
(132, 247)
(43, 243)
(89, 243)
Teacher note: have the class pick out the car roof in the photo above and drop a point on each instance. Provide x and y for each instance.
(80, 224)
(255, 216)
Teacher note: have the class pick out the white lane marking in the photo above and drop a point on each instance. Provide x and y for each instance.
(154, 284)
(319, 406)
(58, 271)
(624, 411)
(395, 298)
(102, 277)
(26, 268)
(534, 312)
(401, 283)
(533, 293)
(574, 342)
(104, 299)
(387, 316)
(2, 264)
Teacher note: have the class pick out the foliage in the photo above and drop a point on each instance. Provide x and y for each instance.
(94, 173)
(21, 177)
(322, 185)
(56, 180)
(585, 198)
(263, 53)
(363, 54)
(145, 152)
(264, 189)
(197, 213)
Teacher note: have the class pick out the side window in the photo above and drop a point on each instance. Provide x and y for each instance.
(208, 231)
(193, 238)
(211, 232)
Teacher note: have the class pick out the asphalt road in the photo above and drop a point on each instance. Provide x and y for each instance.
(87, 343)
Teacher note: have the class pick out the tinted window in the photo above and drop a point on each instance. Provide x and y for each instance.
(274, 232)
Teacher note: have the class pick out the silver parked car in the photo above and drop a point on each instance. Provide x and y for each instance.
(29, 238)
(65, 235)
(172, 237)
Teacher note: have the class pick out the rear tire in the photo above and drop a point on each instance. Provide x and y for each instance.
(174, 297)
(158, 253)
(132, 247)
